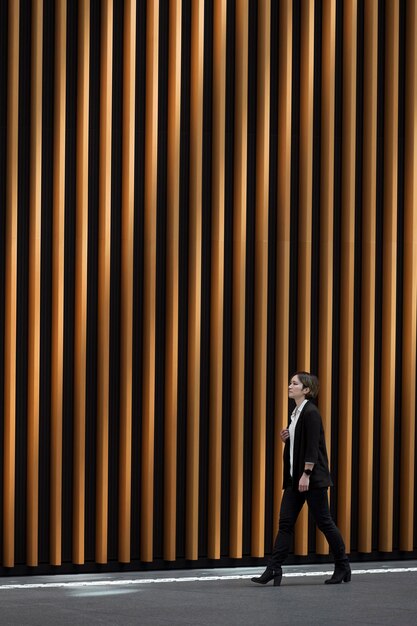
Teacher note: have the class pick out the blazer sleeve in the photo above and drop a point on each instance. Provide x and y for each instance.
(312, 437)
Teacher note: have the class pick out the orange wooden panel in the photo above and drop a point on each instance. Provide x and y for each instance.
(261, 278)
(366, 441)
(81, 255)
(239, 277)
(194, 277)
(126, 287)
(350, 10)
(10, 287)
(389, 286)
(328, 62)
(305, 219)
(172, 281)
(283, 242)
(34, 296)
(217, 278)
(149, 279)
(409, 321)
(104, 266)
(58, 277)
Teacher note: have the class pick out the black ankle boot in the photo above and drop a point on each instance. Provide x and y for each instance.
(269, 574)
(342, 573)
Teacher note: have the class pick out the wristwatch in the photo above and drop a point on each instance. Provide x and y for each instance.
(308, 472)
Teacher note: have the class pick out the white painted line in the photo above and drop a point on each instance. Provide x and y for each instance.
(190, 579)
(391, 570)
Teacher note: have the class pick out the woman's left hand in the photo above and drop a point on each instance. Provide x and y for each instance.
(304, 483)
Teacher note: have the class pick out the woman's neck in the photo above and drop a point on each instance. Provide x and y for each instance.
(299, 402)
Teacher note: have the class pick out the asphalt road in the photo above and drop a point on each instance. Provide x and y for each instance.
(379, 594)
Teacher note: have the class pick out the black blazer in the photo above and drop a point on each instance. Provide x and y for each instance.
(309, 447)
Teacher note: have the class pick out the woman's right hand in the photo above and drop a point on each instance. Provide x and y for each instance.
(284, 434)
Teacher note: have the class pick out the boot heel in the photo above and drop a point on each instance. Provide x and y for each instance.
(277, 580)
(347, 577)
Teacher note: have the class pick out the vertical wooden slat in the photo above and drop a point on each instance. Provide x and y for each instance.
(305, 218)
(104, 259)
(347, 252)
(126, 287)
(172, 281)
(194, 276)
(217, 278)
(149, 279)
(34, 296)
(389, 287)
(81, 254)
(239, 277)
(261, 278)
(58, 277)
(409, 321)
(328, 81)
(283, 242)
(366, 442)
(10, 291)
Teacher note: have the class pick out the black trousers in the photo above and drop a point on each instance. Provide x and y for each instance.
(291, 505)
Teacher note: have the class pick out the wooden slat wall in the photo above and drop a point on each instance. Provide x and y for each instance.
(255, 208)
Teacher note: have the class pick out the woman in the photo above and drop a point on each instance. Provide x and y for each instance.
(306, 479)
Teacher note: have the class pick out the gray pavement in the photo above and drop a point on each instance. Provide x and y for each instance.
(379, 594)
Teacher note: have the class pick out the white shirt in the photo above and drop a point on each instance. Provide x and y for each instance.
(294, 419)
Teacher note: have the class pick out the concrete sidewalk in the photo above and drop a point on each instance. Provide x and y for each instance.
(380, 593)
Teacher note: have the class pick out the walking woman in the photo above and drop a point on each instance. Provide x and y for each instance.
(306, 479)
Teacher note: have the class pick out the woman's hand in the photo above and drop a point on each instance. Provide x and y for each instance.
(284, 434)
(304, 483)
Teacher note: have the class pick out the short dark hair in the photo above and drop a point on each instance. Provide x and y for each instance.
(311, 381)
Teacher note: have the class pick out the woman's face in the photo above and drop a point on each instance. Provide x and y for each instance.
(296, 391)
